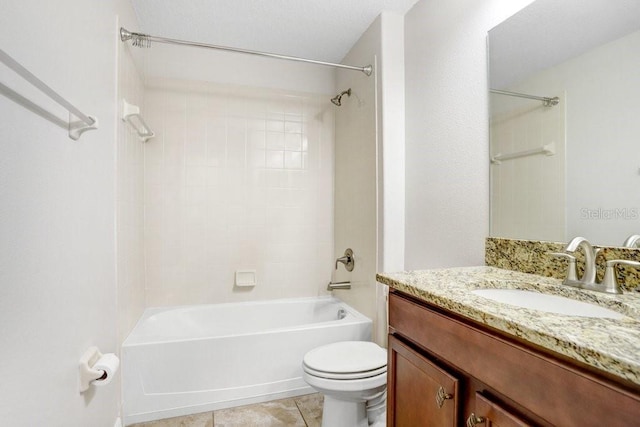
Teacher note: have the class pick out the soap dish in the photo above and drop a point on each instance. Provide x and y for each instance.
(246, 278)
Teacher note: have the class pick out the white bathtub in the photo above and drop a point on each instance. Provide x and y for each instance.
(183, 360)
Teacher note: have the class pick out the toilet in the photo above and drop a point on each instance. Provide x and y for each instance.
(352, 376)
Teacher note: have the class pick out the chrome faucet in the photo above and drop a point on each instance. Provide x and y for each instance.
(589, 275)
(588, 281)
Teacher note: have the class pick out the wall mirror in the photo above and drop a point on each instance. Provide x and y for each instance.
(564, 79)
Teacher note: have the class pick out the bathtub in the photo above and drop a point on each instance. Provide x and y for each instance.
(189, 359)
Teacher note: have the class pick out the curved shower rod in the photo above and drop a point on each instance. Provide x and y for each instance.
(144, 40)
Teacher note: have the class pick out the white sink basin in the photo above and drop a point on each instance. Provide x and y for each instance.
(548, 303)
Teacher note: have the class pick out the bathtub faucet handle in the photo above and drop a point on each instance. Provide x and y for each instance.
(348, 260)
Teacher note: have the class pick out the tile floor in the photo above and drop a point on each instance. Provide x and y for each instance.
(302, 411)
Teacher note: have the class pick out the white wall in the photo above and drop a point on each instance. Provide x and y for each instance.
(369, 183)
(236, 178)
(447, 162)
(355, 215)
(189, 63)
(129, 195)
(391, 145)
(57, 204)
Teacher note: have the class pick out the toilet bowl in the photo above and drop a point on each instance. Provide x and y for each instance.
(352, 376)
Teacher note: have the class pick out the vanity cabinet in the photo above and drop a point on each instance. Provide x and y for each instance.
(447, 370)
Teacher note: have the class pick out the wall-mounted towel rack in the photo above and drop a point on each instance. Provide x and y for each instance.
(131, 114)
(75, 127)
(547, 149)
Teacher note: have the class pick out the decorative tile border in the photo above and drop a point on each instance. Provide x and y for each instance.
(531, 256)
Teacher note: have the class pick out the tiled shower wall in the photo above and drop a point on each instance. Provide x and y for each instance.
(236, 179)
(129, 200)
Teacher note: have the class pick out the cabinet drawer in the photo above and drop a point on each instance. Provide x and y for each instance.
(494, 415)
(558, 392)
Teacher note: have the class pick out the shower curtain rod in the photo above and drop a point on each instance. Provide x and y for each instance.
(144, 40)
(548, 102)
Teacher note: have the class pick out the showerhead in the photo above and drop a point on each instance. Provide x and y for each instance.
(337, 100)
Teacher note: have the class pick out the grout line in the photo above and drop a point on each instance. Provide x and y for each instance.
(304, 420)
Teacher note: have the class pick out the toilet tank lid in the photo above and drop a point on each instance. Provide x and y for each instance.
(346, 357)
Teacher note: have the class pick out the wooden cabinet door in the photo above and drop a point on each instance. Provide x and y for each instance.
(419, 393)
(491, 414)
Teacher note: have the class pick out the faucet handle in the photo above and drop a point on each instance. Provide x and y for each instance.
(348, 260)
(572, 274)
(610, 283)
(623, 262)
(632, 241)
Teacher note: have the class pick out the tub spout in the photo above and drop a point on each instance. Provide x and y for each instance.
(338, 285)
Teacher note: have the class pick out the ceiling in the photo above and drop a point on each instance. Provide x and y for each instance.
(549, 32)
(316, 29)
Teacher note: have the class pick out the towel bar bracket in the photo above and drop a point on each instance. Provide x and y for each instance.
(130, 113)
(78, 121)
(78, 127)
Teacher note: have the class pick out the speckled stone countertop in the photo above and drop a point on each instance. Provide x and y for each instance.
(607, 344)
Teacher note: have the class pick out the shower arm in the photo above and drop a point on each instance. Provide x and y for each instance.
(140, 39)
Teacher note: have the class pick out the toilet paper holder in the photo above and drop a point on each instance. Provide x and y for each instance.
(88, 372)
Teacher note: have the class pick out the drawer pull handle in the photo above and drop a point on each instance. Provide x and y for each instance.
(441, 396)
(473, 420)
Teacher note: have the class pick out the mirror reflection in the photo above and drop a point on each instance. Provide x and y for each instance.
(565, 122)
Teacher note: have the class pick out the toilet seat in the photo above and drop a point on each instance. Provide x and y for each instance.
(349, 376)
(352, 376)
(346, 360)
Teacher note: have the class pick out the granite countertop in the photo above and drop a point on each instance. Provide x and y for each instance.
(611, 345)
